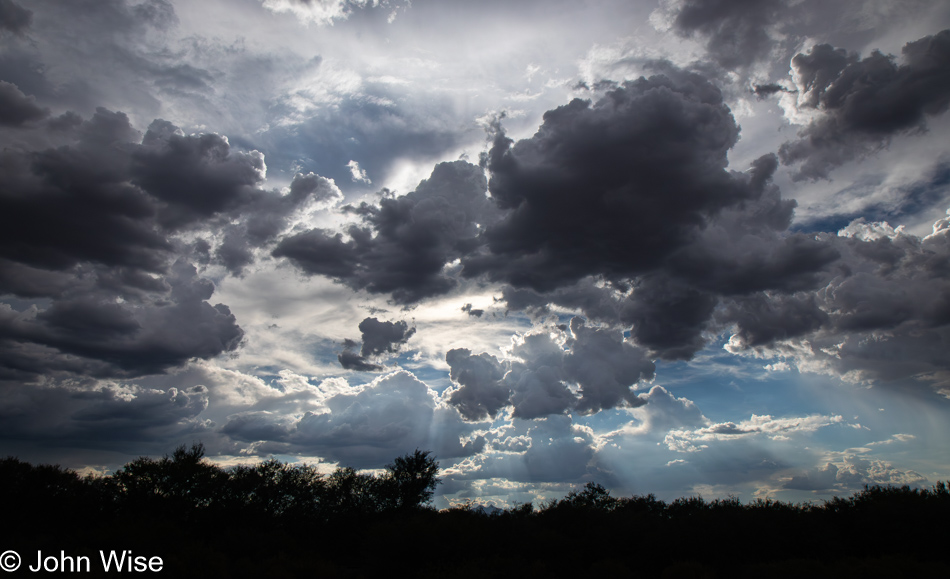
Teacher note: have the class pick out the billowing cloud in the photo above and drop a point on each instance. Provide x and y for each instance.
(89, 332)
(881, 314)
(406, 242)
(581, 368)
(593, 182)
(91, 228)
(737, 32)
(851, 472)
(552, 449)
(16, 108)
(379, 339)
(481, 393)
(862, 103)
(367, 428)
(194, 176)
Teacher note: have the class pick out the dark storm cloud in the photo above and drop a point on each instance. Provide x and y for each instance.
(605, 366)
(258, 219)
(611, 188)
(14, 17)
(352, 360)
(87, 331)
(599, 301)
(598, 362)
(378, 339)
(125, 418)
(99, 216)
(633, 190)
(624, 210)
(416, 235)
(88, 230)
(736, 31)
(116, 200)
(381, 338)
(762, 319)
(669, 316)
(863, 103)
(766, 90)
(196, 176)
(16, 108)
(628, 193)
(882, 312)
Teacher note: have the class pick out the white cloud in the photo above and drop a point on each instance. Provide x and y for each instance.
(358, 175)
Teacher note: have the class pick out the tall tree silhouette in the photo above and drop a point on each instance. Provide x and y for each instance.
(410, 480)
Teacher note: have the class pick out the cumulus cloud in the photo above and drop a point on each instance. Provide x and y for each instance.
(737, 32)
(264, 215)
(629, 212)
(850, 473)
(739, 251)
(16, 108)
(551, 449)
(379, 339)
(118, 199)
(861, 103)
(481, 392)
(592, 182)
(881, 313)
(405, 242)
(87, 331)
(365, 429)
(589, 222)
(194, 176)
(580, 368)
(567, 205)
(92, 230)
(662, 411)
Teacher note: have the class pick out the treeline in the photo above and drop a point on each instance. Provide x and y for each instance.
(186, 487)
(280, 520)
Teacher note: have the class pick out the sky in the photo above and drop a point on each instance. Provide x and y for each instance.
(677, 247)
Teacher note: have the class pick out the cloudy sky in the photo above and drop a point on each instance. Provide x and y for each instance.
(679, 247)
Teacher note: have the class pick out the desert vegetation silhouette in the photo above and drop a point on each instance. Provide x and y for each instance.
(275, 519)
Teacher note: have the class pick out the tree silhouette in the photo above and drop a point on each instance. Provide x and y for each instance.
(274, 488)
(279, 520)
(410, 480)
(183, 481)
(351, 493)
